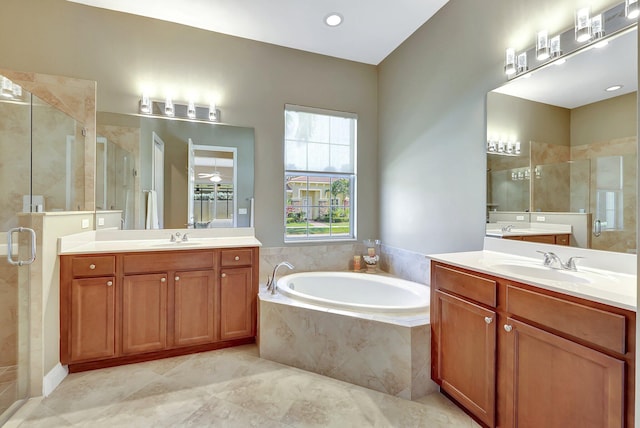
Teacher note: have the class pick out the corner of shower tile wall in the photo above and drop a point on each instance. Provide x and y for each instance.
(404, 264)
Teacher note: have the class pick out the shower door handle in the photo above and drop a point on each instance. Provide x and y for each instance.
(597, 228)
(32, 235)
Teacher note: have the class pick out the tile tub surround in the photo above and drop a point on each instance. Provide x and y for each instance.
(386, 354)
(404, 264)
(227, 388)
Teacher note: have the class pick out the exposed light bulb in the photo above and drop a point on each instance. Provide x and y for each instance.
(632, 9)
(583, 25)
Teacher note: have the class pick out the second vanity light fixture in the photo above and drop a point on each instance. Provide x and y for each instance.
(170, 108)
(587, 30)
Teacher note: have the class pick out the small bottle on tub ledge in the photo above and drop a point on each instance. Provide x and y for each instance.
(356, 263)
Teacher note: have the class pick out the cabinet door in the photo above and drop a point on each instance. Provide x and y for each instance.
(194, 303)
(553, 382)
(236, 304)
(465, 342)
(144, 313)
(92, 318)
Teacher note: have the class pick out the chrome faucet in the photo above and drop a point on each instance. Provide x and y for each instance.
(553, 261)
(271, 281)
(507, 228)
(176, 237)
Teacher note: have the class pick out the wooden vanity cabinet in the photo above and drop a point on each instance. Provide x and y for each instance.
(558, 239)
(559, 360)
(238, 293)
(136, 306)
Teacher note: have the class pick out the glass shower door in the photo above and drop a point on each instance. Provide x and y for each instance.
(15, 246)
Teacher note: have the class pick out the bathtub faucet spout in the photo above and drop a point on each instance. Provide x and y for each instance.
(271, 282)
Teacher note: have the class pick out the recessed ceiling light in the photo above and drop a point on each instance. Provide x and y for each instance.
(613, 88)
(333, 19)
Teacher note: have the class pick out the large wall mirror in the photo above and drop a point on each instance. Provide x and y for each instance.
(576, 150)
(199, 174)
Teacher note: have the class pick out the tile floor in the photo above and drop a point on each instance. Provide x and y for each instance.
(226, 388)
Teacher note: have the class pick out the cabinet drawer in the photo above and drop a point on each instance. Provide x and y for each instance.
(163, 262)
(474, 287)
(93, 266)
(604, 329)
(240, 257)
(562, 239)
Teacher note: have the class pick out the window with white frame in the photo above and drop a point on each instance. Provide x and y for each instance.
(320, 174)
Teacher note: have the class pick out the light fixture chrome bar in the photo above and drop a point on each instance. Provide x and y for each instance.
(187, 111)
(614, 21)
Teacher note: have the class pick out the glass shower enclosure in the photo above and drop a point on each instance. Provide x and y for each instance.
(41, 170)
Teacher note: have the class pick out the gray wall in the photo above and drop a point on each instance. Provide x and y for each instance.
(431, 128)
(253, 81)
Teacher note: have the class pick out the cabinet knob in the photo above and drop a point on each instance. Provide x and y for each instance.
(488, 320)
(237, 258)
(177, 278)
(507, 328)
(224, 275)
(109, 283)
(92, 266)
(163, 279)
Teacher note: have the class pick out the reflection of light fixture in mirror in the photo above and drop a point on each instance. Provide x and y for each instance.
(632, 11)
(145, 104)
(522, 62)
(613, 88)
(554, 47)
(214, 113)
(510, 62)
(7, 88)
(542, 46)
(583, 25)
(537, 172)
(168, 107)
(191, 110)
(17, 91)
(517, 148)
(597, 26)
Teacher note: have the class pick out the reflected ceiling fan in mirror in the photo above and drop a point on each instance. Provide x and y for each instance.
(215, 176)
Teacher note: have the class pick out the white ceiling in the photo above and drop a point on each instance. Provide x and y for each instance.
(584, 77)
(371, 29)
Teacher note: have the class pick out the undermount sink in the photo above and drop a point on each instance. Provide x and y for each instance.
(543, 272)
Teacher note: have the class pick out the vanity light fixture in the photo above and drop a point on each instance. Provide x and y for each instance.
(597, 27)
(632, 9)
(510, 62)
(554, 46)
(583, 25)
(522, 63)
(613, 88)
(191, 110)
(168, 107)
(333, 19)
(214, 113)
(543, 51)
(6, 89)
(145, 104)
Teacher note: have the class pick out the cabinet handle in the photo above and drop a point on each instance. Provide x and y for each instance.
(109, 283)
(237, 258)
(177, 278)
(224, 275)
(488, 320)
(163, 279)
(507, 328)
(92, 266)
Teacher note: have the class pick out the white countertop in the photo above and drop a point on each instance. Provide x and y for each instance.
(114, 241)
(525, 229)
(603, 277)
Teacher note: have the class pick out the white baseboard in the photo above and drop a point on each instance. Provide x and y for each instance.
(54, 378)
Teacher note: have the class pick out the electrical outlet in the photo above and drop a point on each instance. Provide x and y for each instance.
(519, 217)
(541, 218)
(85, 223)
(100, 221)
(242, 210)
